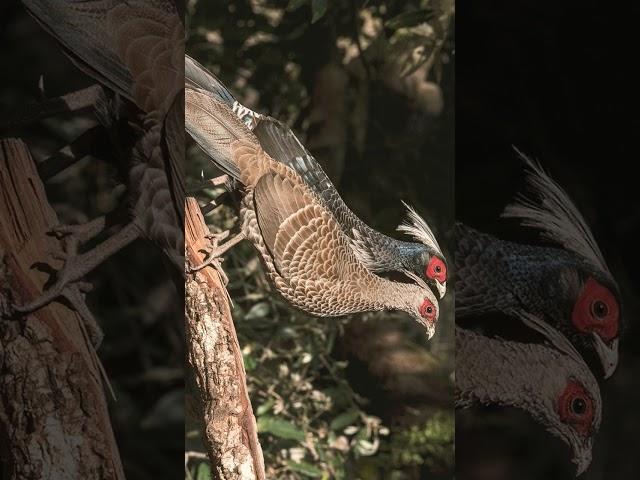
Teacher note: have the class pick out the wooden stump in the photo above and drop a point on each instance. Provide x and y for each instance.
(54, 421)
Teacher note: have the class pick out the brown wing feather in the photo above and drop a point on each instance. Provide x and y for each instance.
(306, 243)
(277, 199)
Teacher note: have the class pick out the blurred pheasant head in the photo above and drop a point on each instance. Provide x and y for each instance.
(426, 259)
(549, 381)
(586, 308)
(420, 303)
(570, 404)
(576, 411)
(588, 297)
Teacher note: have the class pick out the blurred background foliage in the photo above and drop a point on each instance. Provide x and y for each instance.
(368, 87)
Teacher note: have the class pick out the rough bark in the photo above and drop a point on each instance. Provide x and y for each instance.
(230, 431)
(54, 421)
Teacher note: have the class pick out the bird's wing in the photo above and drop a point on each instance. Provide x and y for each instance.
(195, 75)
(214, 127)
(276, 139)
(279, 141)
(304, 239)
(81, 28)
(174, 134)
(134, 48)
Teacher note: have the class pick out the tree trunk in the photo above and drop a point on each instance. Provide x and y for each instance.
(54, 421)
(230, 432)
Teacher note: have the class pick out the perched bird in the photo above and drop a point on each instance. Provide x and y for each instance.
(378, 252)
(553, 385)
(568, 287)
(306, 253)
(134, 49)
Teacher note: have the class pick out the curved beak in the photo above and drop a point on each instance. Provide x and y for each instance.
(431, 331)
(582, 461)
(442, 289)
(608, 354)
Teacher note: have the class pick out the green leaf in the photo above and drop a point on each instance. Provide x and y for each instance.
(249, 362)
(259, 310)
(305, 469)
(318, 9)
(344, 419)
(295, 4)
(280, 428)
(410, 19)
(203, 472)
(265, 407)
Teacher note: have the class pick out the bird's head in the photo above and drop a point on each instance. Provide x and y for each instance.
(429, 262)
(594, 310)
(421, 303)
(596, 315)
(566, 397)
(574, 412)
(590, 313)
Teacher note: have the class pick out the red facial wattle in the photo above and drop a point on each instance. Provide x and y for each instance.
(428, 310)
(436, 270)
(596, 310)
(575, 407)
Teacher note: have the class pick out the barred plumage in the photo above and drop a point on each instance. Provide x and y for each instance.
(378, 252)
(306, 252)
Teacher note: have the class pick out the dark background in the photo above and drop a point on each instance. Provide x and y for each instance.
(558, 81)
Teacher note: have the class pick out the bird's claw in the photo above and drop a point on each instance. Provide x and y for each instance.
(212, 259)
(213, 254)
(67, 287)
(79, 233)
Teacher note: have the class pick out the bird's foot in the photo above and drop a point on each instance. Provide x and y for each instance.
(68, 281)
(81, 232)
(215, 251)
(64, 277)
(74, 294)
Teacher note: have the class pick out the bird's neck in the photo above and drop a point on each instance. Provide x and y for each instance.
(386, 294)
(392, 255)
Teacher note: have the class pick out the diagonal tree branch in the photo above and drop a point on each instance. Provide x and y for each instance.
(230, 431)
(54, 421)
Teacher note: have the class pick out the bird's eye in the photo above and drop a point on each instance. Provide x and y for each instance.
(578, 406)
(436, 270)
(596, 310)
(428, 310)
(575, 407)
(599, 309)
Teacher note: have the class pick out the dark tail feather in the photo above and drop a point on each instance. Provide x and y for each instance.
(215, 128)
(197, 76)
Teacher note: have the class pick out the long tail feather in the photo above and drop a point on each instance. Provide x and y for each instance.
(215, 128)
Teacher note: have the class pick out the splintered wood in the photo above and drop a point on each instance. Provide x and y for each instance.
(230, 432)
(53, 410)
